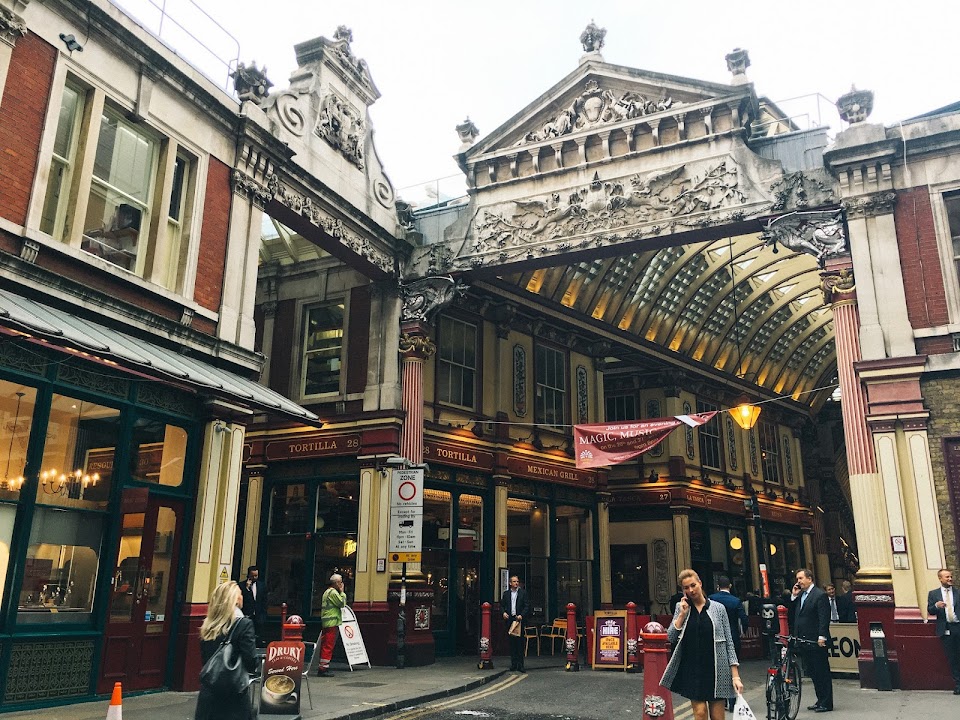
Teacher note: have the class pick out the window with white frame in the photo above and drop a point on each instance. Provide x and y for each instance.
(136, 173)
(770, 453)
(322, 349)
(550, 402)
(952, 203)
(709, 435)
(457, 362)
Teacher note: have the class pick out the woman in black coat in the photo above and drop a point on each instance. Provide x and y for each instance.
(223, 612)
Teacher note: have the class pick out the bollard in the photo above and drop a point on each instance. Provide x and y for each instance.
(768, 613)
(784, 625)
(881, 664)
(486, 651)
(292, 628)
(633, 658)
(570, 643)
(657, 701)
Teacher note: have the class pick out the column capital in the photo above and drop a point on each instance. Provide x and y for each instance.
(838, 285)
(879, 203)
(415, 341)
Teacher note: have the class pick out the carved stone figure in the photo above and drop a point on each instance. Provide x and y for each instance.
(341, 126)
(816, 233)
(737, 61)
(592, 38)
(251, 82)
(468, 133)
(421, 299)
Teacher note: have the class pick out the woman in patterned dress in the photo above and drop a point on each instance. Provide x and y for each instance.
(704, 667)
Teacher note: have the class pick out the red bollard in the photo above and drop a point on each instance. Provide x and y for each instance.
(633, 657)
(657, 701)
(486, 647)
(570, 643)
(784, 625)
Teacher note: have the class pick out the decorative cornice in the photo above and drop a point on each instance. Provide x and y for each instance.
(880, 203)
(246, 187)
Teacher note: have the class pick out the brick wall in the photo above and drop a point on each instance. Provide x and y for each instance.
(22, 113)
(939, 396)
(920, 259)
(213, 236)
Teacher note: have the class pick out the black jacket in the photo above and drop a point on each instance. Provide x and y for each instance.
(233, 707)
(255, 609)
(523, 606)
(935, 596)
(845, 609)
(813, 621)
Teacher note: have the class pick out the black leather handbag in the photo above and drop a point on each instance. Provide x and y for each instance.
(224, 673)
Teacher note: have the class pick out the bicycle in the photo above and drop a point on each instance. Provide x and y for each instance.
(784, 680)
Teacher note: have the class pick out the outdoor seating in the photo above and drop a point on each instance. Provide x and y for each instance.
(555, 631)
(530, 633)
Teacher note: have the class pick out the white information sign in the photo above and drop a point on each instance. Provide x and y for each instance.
(406, 515)
(352, 639)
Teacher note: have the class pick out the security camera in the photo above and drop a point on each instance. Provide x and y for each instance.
(396, 462)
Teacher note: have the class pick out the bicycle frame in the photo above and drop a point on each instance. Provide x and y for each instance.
(784, 682)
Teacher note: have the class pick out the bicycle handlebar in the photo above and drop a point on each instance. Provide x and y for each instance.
(798, 640)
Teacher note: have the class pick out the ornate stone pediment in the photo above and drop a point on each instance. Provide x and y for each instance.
(343, 127)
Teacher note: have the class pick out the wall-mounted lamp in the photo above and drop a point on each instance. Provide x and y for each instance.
(736, 542)
(71, 42)
(221, 427)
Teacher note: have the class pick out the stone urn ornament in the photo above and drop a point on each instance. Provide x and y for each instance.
(856, 105)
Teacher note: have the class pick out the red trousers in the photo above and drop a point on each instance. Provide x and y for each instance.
(328, 641)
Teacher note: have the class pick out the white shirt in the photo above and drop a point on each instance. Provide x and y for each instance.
(947, 593)
(834, 616)
(513, 601)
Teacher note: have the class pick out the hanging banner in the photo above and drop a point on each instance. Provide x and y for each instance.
(612, 443)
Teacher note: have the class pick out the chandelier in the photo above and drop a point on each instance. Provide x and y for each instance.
(68, 484)
(13, 484)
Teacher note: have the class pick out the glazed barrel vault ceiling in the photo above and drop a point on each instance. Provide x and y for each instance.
(734, 309)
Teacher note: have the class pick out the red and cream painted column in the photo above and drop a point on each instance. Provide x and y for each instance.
(415, 347)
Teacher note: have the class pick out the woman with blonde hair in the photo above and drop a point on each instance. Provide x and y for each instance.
(704, 667)
(224, 620)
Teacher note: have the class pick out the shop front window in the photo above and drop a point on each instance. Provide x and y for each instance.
(289, 512)
(159, 452)
(16, 415)
(60, 571)
(77, 466)
(527, 552)
(572, 548)
(436, 553)
(286, 574)
(335, 548)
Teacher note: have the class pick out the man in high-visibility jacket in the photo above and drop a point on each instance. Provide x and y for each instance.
(334, 599)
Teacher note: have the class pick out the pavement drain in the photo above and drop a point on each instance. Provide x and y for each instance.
(362, 684)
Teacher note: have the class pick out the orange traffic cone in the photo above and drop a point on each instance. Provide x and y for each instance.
(115, 711)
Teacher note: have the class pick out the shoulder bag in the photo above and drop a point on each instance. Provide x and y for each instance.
(224, 673)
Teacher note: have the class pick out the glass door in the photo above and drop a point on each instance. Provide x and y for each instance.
(139, 619)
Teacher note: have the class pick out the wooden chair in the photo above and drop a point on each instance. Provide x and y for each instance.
(556, 631)
(530, 633)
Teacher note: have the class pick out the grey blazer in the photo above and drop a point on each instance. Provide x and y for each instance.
(725, 656)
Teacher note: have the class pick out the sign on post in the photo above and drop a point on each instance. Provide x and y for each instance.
(406, 515)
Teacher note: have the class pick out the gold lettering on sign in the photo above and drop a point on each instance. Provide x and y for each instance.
(466, 457)
(313, 446)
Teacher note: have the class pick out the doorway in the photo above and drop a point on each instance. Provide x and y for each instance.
(140, 614)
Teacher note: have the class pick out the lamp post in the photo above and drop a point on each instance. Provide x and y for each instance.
(752, 504)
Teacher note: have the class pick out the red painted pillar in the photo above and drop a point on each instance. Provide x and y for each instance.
(570, 643)
(657, 701)
(633, 657)
(415, 347)
(486, 646)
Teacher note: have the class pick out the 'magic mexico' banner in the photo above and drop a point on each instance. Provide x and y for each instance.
(612, 443)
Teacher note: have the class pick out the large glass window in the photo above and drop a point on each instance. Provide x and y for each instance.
(437, 511)
(335, 550)
(16, 415)
(289, 513)
(60, 572)
(77, 466)
(287, 569)
(770, 453)
(159, 452)
(62, 163)
(571, 546)
(178, 216)
(457, 363)
(551, 386)
(322, 349)
(709, 435)
(123, 171)
(527, 538)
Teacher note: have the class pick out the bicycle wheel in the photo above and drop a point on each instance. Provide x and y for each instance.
(792, 687)
(776, 698)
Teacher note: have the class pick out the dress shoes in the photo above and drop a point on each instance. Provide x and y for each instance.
(813, 707)
(821, 708)
(956, 690)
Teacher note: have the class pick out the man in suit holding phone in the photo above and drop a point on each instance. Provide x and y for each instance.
(254, 599)
(810, 611)
(515, 606)
(943, 603)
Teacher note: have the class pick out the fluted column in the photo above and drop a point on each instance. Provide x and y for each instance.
(866, 489)
(415, 347)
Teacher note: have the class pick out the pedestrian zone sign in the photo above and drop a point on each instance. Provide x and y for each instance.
(406, 515)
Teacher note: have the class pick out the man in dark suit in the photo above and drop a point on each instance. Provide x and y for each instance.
(254, 599)
(515, 607)
(846, 613)
(944, 603)
(810, 611)
(735, 614)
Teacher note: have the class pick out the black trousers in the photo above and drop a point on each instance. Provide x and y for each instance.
(817, 663)
(516, 650)
(951, 646)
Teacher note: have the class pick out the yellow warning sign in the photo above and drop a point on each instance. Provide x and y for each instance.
(502, 543)
(224, 575)
(405, 557)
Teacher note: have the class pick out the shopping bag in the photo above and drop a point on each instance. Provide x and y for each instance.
(514, 628)
(742, 711)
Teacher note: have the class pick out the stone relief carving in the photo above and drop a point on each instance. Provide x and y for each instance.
(856, 105)
(358, 67)
(738, 60)
(341, 125)
(799, 190)
(582, 394)
(731, 442)
(688, 432)
(467, 132)
(816, 233)
(11, 26)
(870, 205)
(592, 38)
(595, 107)
(246, 186)
(610, 205)
(421, 299)
(322, 219)
(251, 83)
(519, 381)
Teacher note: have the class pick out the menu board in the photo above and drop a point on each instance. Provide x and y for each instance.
(282, 673)
(610, 639)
